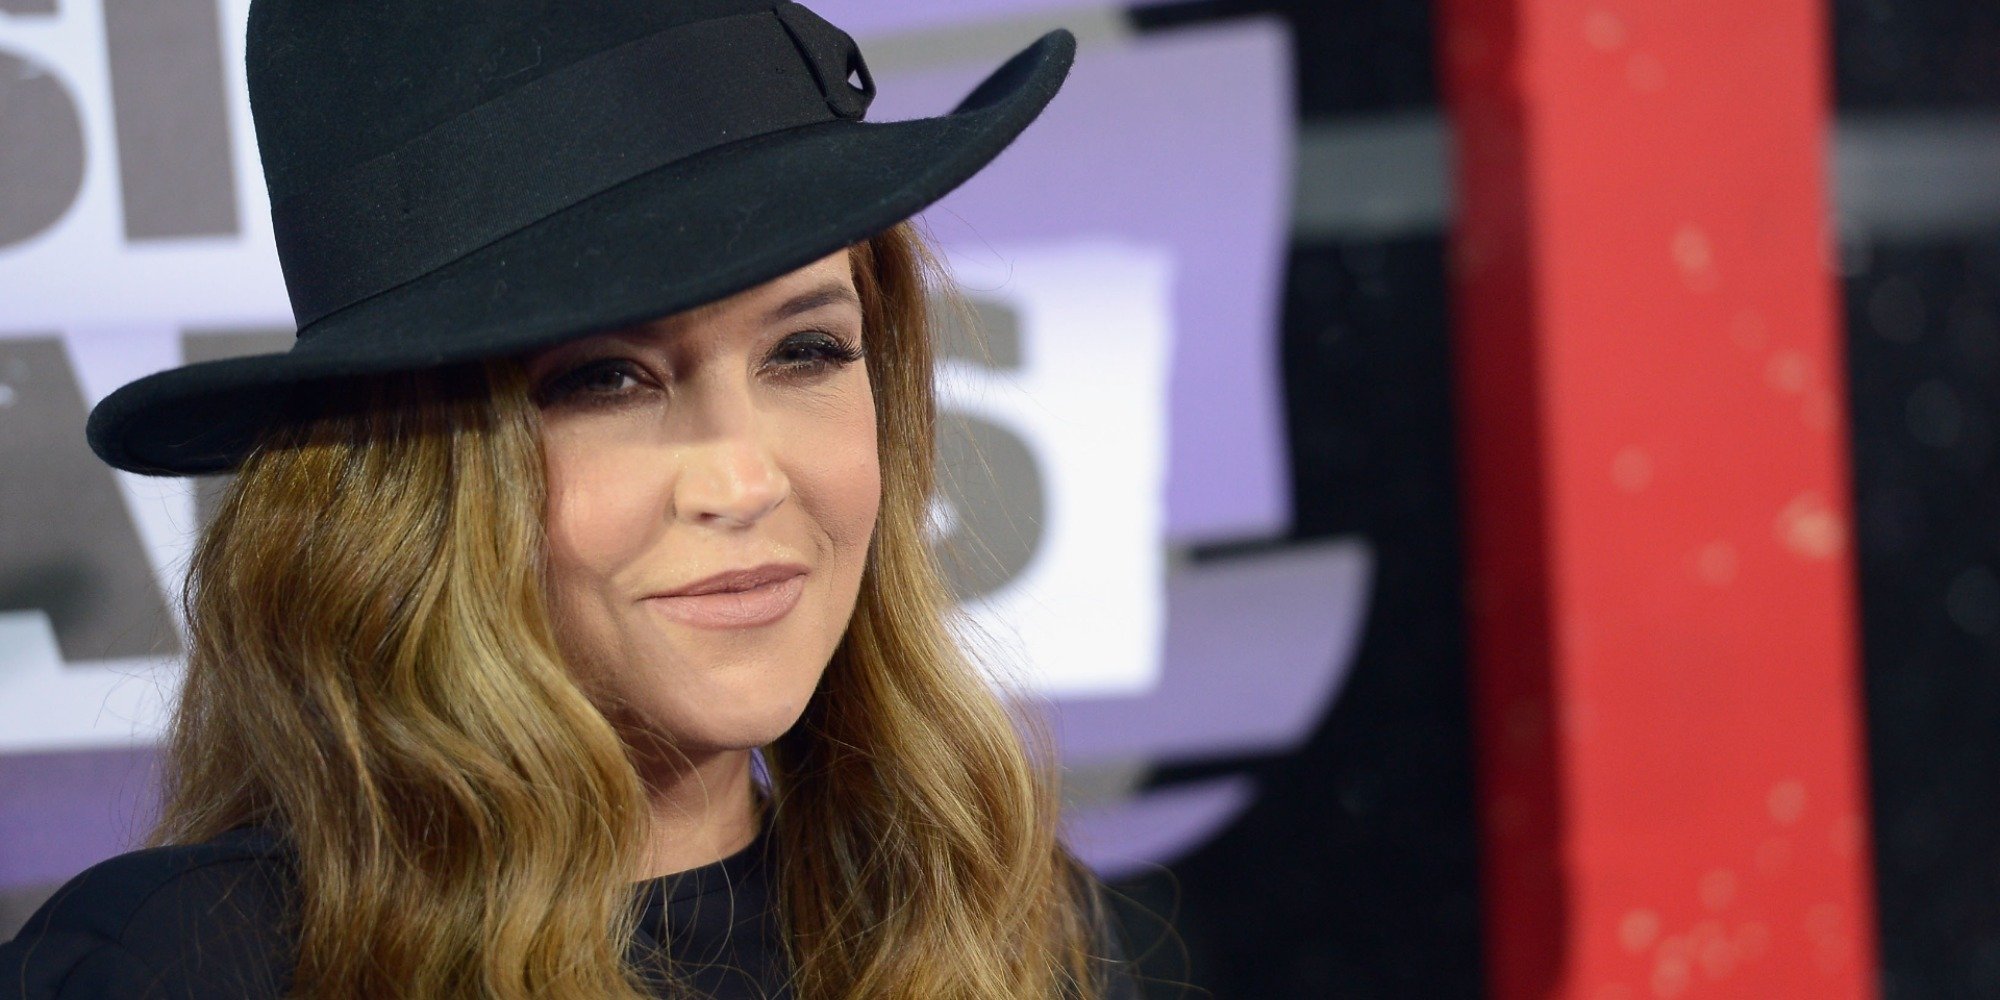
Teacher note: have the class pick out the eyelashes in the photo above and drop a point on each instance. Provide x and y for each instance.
(816, 350)
(588, 380)
(802, 357)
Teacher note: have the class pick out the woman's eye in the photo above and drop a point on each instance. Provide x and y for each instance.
(814, 352)
(606, 379)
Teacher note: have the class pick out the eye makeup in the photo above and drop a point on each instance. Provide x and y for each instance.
(801, 357)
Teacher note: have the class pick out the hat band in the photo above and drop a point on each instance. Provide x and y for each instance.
(556, 141)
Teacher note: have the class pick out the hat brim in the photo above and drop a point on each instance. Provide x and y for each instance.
(682, 235)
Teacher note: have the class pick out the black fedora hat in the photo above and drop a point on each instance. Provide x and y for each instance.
(455, 181)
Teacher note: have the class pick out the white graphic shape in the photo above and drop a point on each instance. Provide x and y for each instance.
(1085, 618)
(46, 706)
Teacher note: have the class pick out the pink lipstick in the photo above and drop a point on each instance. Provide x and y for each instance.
(735, 599)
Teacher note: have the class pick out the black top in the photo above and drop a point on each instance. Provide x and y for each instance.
(208, 920)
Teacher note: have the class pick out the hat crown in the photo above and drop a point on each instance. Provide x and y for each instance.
(456, 180)
(334, 83)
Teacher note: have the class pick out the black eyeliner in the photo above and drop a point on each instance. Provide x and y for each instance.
(567, 386)
(832, 350)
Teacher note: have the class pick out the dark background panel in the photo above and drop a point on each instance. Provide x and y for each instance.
(1352, 58)
(1364, 846)
(1916, 54)
(1924, 355)
(1924, 361)
(1354, 875)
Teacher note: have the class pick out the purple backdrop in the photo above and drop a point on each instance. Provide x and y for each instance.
(1184, 141)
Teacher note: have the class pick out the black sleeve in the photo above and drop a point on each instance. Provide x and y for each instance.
(204, 920)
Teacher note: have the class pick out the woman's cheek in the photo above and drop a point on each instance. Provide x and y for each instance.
(602, 506)
(830, 457)
(856, 477)
(868, 500)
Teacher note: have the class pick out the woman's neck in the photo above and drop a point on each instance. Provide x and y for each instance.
(703, 809)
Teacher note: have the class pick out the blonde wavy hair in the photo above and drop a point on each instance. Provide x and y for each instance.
(373, 673)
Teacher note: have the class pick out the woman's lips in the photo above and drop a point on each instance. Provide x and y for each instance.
(748, 608)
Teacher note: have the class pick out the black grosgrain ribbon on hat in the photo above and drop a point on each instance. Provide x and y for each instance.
(576, 132)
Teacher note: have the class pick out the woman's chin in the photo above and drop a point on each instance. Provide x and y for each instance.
(726, 727)
(744, 737)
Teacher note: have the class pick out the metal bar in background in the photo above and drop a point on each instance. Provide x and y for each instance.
(1895, 176)
(1656, 493)
(1365, 179)
(1917, 176)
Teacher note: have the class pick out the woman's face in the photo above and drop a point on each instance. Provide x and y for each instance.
(713, 484)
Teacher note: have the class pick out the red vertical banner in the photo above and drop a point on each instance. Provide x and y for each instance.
(1660, 574)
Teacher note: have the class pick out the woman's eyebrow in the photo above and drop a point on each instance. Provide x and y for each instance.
(830, 293)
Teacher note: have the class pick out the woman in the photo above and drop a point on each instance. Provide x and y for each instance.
(568, 629)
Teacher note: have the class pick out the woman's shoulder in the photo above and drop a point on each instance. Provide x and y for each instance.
(192, 920)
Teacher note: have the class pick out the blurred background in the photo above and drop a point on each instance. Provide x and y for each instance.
(1247, 482)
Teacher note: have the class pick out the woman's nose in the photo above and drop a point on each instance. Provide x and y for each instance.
(730, 476)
